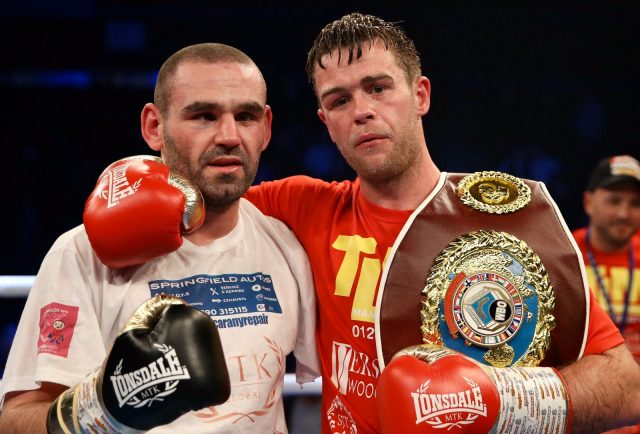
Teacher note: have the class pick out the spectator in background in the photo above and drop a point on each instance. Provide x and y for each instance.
(610, 245)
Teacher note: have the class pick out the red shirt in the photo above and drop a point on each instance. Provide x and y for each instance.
(614, 272)
(347, 239)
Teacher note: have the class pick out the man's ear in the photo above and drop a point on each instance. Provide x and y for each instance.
(323, 118)
(422, 90)
(268, 120)
(586, 202)
(151, 126)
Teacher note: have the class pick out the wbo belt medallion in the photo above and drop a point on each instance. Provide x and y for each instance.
(493, 192)
(489, 297)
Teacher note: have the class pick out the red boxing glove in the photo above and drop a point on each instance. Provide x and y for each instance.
(430, 389)
(139, 210)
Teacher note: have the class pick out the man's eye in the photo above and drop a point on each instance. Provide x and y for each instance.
(339, 102)
(205, 117)
(244, 117)
(378, 88)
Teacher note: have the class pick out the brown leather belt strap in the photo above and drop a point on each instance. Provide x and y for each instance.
(445, 218)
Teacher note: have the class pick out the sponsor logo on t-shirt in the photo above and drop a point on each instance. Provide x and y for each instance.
(340, 419)
(353, 372)
(242, 321)
(254, 372)
(226, 296)
(57, 324)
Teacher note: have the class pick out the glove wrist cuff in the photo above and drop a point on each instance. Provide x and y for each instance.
(80, 410)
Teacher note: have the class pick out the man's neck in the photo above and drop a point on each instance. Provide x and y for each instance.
(217, 224)
(405, 192)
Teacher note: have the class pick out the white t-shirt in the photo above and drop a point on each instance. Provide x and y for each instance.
(255, 283)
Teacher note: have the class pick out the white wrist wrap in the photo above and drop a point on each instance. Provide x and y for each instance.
(532, 400)
(87, 411)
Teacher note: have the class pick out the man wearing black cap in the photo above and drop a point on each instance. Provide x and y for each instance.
(610, 245)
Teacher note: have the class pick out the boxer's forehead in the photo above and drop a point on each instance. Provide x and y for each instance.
(228, 83)
(342, 68)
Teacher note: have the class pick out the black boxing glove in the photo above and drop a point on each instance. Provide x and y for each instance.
(167, 361)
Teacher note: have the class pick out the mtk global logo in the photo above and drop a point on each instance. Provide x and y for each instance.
(142, 386)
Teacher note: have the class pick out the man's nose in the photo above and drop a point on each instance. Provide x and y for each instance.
(624, 210)
(363, 108)
(227, 133)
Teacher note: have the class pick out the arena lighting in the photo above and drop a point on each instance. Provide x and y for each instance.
(19, 286)
(80, 79)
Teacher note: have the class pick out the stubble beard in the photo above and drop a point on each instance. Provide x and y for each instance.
(379, 166)
(219, 191)
(613, 237)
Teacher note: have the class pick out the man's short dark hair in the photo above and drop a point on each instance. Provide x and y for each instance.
(207, 52)
(355, 30)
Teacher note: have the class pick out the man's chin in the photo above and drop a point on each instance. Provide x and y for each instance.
(622, 236)
(376, 172)
(219, 204)
(224, 197)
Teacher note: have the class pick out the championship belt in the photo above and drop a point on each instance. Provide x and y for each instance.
(488, 296)
(487, 267)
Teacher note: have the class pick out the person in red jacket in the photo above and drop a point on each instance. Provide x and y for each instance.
(610, 245)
